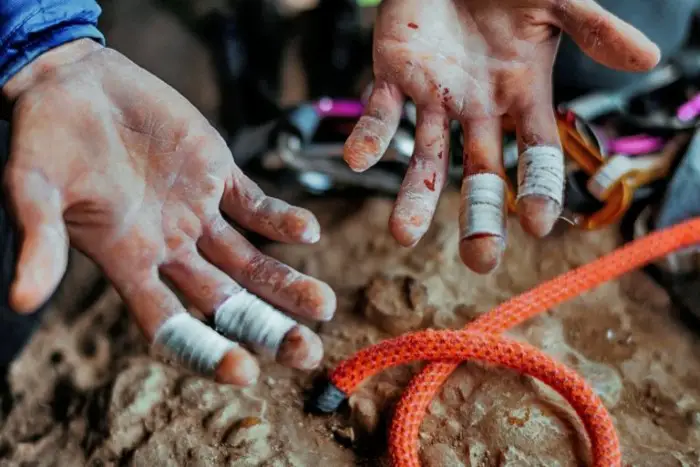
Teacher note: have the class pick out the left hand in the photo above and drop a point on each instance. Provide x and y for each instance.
(106, 156)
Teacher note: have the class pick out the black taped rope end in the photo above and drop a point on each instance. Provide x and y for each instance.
(327, 399)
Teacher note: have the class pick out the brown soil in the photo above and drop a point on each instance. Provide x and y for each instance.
(87, 393)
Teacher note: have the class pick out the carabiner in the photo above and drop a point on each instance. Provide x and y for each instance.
(618, 197)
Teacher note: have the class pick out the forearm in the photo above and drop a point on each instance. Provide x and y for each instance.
(28, 28)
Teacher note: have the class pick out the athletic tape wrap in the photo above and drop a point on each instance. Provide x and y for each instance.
(541, 173)
(243, 317)
(483, 205)
(192, 343)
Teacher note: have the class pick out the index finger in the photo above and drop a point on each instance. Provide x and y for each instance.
(372, 134)
(604, 37)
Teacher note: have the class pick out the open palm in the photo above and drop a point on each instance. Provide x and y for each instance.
(477, 61)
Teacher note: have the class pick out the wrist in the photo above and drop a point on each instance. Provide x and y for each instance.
(46, 64)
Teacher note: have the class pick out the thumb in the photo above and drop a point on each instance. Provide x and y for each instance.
(44, 252)
(606, 38)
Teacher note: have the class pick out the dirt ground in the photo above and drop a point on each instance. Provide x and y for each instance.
(86, 391)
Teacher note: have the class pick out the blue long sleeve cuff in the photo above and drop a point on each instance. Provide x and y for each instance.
(28, 28)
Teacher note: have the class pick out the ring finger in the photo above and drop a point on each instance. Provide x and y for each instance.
(482, 210)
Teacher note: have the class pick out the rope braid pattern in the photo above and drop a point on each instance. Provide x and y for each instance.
(481, 340)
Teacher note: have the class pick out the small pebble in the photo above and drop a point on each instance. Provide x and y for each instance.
(694, 417)
(248, 430)
(364, 413)
(344, 435)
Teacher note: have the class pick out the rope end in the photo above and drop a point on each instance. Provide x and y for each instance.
(328, 399)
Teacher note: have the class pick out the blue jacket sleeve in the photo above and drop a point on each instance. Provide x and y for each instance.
(29, 28)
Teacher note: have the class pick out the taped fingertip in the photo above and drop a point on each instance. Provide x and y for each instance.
(538, 214)
(541, 178)
(482, 254)
(301, 349)
(482, 222)
(237, 368)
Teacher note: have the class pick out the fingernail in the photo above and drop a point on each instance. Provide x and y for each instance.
(328, 303)
(482, 254)
(538, 214)
(312, 233)
(238, 368)
(301, 349)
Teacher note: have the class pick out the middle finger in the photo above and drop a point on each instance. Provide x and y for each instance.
(266, 277)
(482, 212)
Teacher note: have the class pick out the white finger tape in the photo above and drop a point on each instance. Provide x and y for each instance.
(617, 168)
(245, 318)
(192, 343)
(483, 205)
(541, 173)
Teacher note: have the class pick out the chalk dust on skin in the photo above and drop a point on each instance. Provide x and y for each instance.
(87, 392)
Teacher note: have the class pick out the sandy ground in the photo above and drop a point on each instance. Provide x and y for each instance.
(86, 391)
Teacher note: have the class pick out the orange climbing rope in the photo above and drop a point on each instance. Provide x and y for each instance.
(481, 340)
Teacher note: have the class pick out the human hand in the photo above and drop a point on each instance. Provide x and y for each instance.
(105, 154)
(478, 62)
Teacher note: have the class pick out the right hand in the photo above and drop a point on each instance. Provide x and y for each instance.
(478, 62)
(105, 154)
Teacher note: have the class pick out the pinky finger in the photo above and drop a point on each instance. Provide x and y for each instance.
(183, 338)
(373, 132)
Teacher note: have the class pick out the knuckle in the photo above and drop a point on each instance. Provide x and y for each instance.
(264, 270)
(214, 226)
(181, 251)
(133, 259)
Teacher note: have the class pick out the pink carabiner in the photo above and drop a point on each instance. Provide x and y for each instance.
(327, 107)
(689, 110)
(635, 145)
